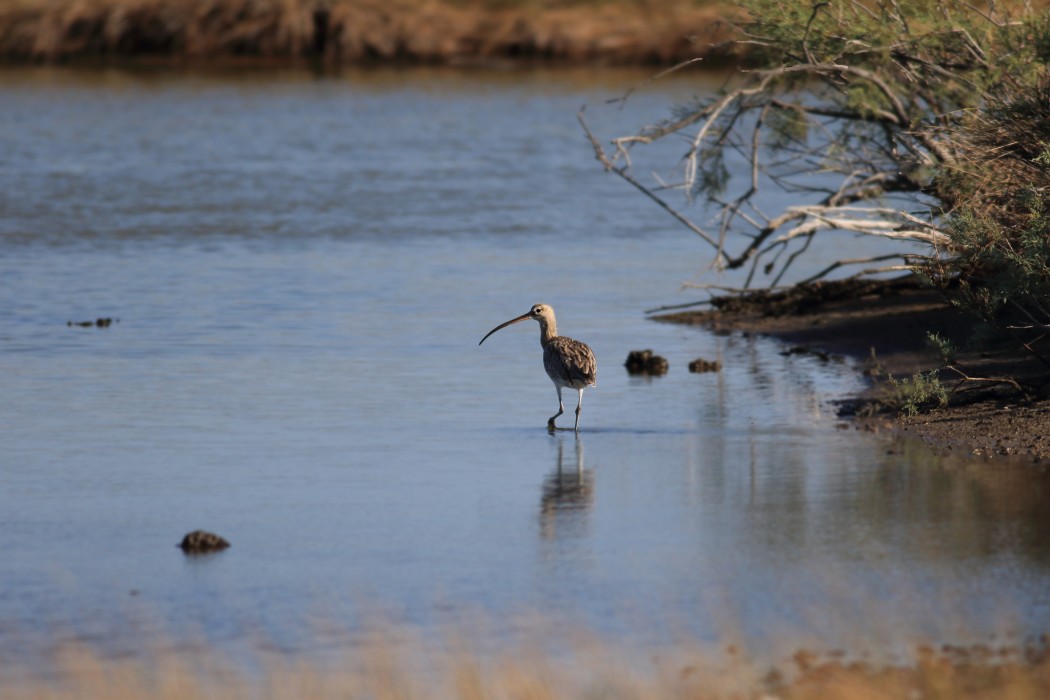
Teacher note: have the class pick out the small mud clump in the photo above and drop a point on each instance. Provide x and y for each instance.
(702, 365)
(202, 542)
(644, 362)
(97, 323)
(806, 350)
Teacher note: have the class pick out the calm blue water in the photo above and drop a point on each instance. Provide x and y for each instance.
(302, 269)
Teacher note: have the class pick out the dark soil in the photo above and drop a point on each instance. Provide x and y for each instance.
(999, 402)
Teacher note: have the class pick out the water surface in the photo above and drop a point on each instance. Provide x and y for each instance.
(302, 268)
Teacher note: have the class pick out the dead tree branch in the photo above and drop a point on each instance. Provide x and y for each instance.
(849, 113)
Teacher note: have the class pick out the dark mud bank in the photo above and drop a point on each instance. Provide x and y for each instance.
(884, 326)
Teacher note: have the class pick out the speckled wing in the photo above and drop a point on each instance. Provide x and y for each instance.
(570, 363)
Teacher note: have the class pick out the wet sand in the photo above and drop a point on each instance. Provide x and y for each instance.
(884, 326)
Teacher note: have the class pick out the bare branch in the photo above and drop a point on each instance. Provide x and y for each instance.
(676, 307)
(622, 99)
(821, 217)
(989, 380)
(600, 154)
(861, 261)
(725, 289)
(809, 25)
(851, 123)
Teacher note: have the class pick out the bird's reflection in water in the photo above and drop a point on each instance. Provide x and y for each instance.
(567, 495)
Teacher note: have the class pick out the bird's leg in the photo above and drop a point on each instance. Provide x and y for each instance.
(579, 405)
(561, 410)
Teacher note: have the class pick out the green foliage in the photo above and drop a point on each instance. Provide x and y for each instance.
(927, 123)
(1039, 27)
(972, 82)
(930, 54)
(920, 393)
(1043, 158)
(876, 94)
(913, 395)
(1002, 272)
(944, 347)
(788, 126)
(714, 175)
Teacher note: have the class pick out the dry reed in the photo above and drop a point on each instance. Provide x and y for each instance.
(346, 31)
(387, 669)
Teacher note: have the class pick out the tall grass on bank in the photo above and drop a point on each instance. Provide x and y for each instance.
(345, 31)
(381, 671)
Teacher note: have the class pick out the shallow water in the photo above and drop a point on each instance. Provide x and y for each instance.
(302, 268)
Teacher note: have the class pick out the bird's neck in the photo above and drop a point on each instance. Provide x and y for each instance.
(548, 331)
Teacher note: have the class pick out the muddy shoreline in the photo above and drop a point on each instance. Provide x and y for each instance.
(883, 326)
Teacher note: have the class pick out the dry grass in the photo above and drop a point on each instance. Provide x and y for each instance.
(345, 31)
(388, 669)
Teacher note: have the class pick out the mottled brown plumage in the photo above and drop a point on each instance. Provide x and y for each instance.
(569, 363)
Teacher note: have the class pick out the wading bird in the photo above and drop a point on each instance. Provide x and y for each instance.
(569, 363)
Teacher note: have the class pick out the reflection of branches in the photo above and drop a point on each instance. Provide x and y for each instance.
(854, 104)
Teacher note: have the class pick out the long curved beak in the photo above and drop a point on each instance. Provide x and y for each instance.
(523, 317)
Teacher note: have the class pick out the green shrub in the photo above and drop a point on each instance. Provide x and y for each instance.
(918, 394)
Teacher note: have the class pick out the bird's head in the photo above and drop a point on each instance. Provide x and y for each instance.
(539, 312)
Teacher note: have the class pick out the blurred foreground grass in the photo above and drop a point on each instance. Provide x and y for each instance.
(353, 31)
(384, 669)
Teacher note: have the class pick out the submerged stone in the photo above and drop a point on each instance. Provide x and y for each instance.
(201, 542)
(97, 323)
(644, 362)
(702, 365)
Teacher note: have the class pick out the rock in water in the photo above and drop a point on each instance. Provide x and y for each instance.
(97, 323)
(201, 542)
(645, 362)
(702, 365)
